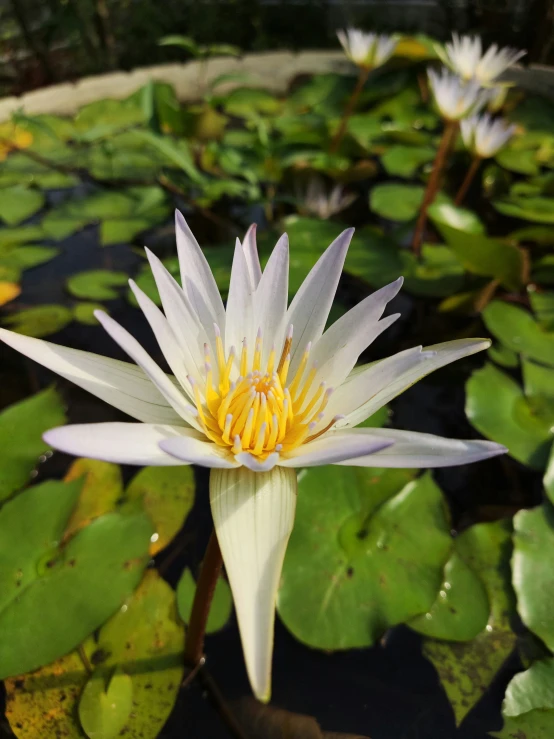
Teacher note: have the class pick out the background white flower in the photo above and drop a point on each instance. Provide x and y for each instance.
(464, 55)
(368, 50)
(484, 136)
(455, 98)
(318, 200)
(258, 389)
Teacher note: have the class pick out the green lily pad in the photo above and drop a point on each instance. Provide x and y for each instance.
(538, 381)
(530, 690)
(517, 329)
(438, 273)
(91, 575)
(18, 203)
(538, 724)
(496, 406)
(396, 202)
(461, 219)
(533, 570)
(522, 161)
(21, 428)
(404, 161)
(248, 101)
(466, 669)
(503, 356)
(105, 117)
(105, 708)
(167, 496)
(39, 321)
(146, 641)
(96, 284)
(357, 561)
(20, 235)
(101, 489)
(542, 304)
(84, 313)
(548, 479)
(536, 209)
(25, 257)
(220, 609)
(461, 610)
(541, 235)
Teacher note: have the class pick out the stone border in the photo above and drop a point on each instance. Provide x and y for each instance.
(272, 70)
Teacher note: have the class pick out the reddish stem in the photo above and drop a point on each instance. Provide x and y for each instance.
(468, 179)
(350, 107)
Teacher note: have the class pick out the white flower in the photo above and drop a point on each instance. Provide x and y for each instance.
(318, 201)
(367, 50)
(464, 55)
(455, 98)
(258, 389)
(484, 136)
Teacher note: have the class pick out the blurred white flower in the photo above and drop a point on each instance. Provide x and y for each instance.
(367, 50)
(484, 136)
(464, 55)
(318, 200)
(455, 98)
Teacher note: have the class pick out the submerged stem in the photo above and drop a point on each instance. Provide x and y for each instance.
(205, 587)
(468, 179)
(449, 132)
(350, 107)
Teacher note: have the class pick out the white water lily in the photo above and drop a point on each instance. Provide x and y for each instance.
(368, 50)
(258, 389)
(484, 136)
(464, 55)
(318, 200)
(455, 98)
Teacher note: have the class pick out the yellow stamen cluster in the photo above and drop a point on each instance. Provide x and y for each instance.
(262, 410)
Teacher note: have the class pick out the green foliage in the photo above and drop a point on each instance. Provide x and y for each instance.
(104, 709)
(17, 203)
(96, 284)
(528, 708)
(220, 609)
(41, 320)
(21, 446)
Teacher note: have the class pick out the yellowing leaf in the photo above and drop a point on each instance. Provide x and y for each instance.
(103, 486)
(8, 291)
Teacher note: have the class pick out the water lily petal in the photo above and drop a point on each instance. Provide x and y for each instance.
(131, 346)
(270, 299)
(337, 351)
(165, 337)
(412, 449)
(381, 382)
(310, 307)
(253, 515)
(255, 463)
(121, 384)
(251, 255)
(335, 447)
(122, 443)
(240, 313)
(180, 315)
(193, 450)
(198, 281)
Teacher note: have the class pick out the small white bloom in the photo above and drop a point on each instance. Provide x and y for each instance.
(367, 50)
(258, 389)
(484, 136)
(455, 98)
(464, 55)
(318, 200)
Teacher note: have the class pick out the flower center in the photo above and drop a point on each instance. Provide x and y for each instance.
(262, 410)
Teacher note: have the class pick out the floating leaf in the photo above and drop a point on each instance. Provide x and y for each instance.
(522, 161)
(436, 273)
(516, 328)
(466, 669)
(167, 495)
(102, 487)
(8, 292)
(496, 406)
(91, 575)
(542, 304)
(41, 320)
(104, 709)
(396, 202)
(96, 284)
(461, 610)
(21, 428)
(84, 313)
(536, 724)
(404, 161)
(146, 641)
(503, 356)
(358, 561)
(20, 235)
(530, 689)
(42, 704)
(533, 571)
(537, 209)
(248, 101)
(461, 219)
(220, 609)
(25, 257)
(18, 203)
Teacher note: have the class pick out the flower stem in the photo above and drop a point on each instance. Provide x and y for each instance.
(449, 132)
(205, 587)
(350, 108)
(468, 179)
